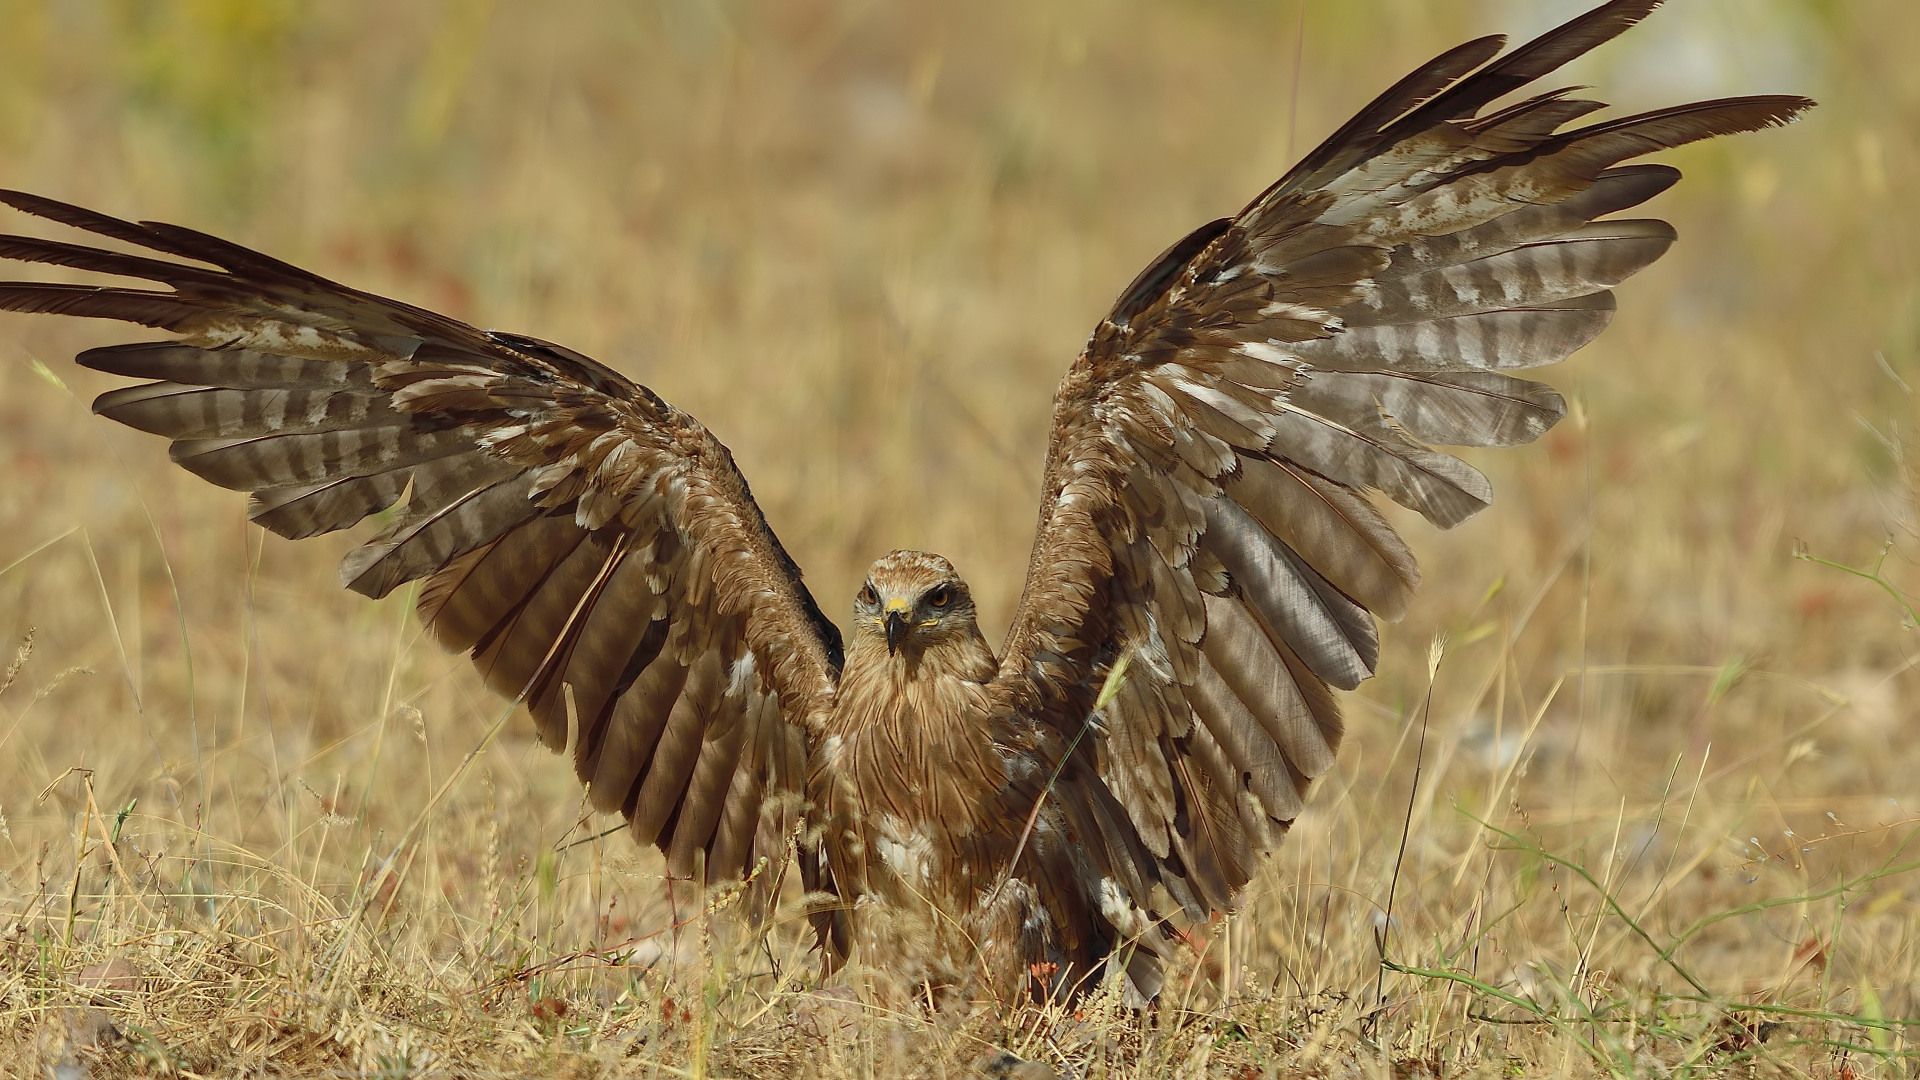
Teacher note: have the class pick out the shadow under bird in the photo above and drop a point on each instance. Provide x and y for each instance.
(1207, 569)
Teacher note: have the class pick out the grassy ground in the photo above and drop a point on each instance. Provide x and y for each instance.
(1655, 816)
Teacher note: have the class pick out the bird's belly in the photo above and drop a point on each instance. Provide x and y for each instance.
(905, 854)
(916, 916)
(914, 868)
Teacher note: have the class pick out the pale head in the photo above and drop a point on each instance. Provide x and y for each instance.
(913, 599)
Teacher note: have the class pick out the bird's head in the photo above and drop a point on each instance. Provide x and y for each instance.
(911, 600)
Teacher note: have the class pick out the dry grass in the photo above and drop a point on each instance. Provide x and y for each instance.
(1660, 824)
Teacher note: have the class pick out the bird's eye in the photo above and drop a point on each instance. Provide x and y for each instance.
(940, 597)
(868, 596)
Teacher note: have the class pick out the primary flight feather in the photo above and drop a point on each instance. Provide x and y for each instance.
(1207, 569)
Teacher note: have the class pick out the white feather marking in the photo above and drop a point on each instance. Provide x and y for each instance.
(1232, 408)
(616, 459)
(1301, 312)
(285, 337)
(1115, 904)
(1157, 400)
(544, 478)
(1267, 352)
(741, 682)
(496, 436)
(911, 860)
(1151, 654)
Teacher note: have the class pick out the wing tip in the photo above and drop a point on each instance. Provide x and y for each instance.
(359, 572)
(1776, 110)
(25, 201)
(1797, 104)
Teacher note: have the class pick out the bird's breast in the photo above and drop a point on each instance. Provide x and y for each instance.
(910, 784)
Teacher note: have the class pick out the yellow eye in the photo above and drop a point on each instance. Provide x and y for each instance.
(940, 597)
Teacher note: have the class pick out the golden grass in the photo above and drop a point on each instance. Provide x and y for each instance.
(1660, 824)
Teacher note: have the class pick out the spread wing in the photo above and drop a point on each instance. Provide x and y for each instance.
(1206, 518)
(594, 548)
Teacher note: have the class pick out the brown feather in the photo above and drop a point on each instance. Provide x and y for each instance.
(1249, 664)
(511, 654)
(633, 731)
(1245, 743)
(311, 509)
(1333, 634)
(1613, 190)
(1581, 261)
(707, 787)
(198, 412)
(678, 749)
(1333, 528)
(739, 805)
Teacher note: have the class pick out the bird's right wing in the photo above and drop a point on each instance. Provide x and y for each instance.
(594, 548)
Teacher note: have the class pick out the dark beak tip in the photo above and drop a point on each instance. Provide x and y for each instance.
(896, 631)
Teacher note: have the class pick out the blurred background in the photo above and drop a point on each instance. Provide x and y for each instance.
(862, 242)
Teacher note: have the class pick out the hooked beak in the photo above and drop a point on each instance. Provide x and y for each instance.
(897, 628)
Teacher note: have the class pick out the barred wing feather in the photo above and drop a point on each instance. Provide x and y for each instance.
(1206, 518)
(593, 548)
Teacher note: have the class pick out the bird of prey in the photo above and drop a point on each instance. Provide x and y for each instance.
(1208, 566)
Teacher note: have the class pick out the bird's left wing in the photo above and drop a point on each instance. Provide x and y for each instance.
(1207, 553)
(594, 548)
